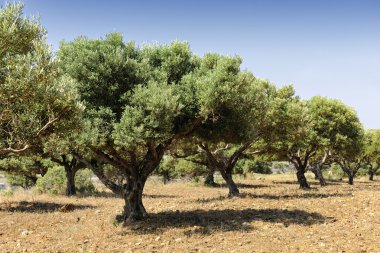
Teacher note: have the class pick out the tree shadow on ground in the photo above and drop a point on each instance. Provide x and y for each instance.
(204, 222)
(106, 194)
(245, 186)
(40, 207)
(311, 182)
(275, 197)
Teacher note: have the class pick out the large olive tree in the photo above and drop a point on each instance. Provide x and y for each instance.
(139, 100)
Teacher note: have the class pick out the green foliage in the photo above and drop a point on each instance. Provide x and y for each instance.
(184, 168)
(252, 166)
(167, 168)
(34, 100)
(335, 172)
(83, 181)
(23, 181)
(309, 128)
(54, 181)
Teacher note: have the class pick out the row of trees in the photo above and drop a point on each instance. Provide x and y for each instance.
(117, 109)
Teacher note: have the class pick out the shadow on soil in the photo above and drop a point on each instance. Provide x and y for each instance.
(245, 186)
(314, 183)
(105, 194)
(204, 222)
(275, 197)
(40, 207)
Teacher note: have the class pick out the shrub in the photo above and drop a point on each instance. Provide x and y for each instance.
(54, 181)
(252, 166)
(335, 172)
(23, 181)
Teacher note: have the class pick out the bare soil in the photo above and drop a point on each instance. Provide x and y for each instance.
(271, 215)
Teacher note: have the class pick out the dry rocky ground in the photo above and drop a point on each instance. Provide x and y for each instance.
(272, 215)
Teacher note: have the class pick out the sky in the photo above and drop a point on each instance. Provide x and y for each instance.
(324, 47)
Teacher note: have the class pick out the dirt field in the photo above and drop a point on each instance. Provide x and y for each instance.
(272, 215)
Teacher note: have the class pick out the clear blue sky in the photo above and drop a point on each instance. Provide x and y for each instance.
(323, 47)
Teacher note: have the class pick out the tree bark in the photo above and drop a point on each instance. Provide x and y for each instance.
(302, 179)
(132, 193)
(232, 187)
(70, 185)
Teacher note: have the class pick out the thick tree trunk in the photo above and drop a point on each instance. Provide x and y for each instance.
(209, 179)
(350, 179)
(70, 185)
(134, 209)
(232, 187)
(302, 179)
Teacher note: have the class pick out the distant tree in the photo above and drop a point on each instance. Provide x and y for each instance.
(372, 152)
(312, 130)
(64, 151)
(167, 168)
(353, 156)
(34, 100)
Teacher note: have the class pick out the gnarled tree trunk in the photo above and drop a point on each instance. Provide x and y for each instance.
(132, 193)
(232, 187)
(225, 165)
(302, 179)
(317, 170)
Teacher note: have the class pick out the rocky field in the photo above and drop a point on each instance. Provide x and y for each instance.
(271, 215)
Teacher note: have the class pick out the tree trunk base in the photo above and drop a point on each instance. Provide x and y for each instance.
(304, 185)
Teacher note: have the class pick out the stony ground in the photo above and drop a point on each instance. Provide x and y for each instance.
(272, 215)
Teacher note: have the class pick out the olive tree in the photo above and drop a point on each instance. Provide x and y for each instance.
(313, 130)
(239, 119)
(140, 100)
(34, 100)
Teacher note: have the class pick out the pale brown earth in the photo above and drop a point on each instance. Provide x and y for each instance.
(272, 215)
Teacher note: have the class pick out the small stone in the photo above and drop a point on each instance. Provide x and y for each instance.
(97, 212)
(246, 224)
(178, 240)
(86, 241)
(157, 238)
(24, 232)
